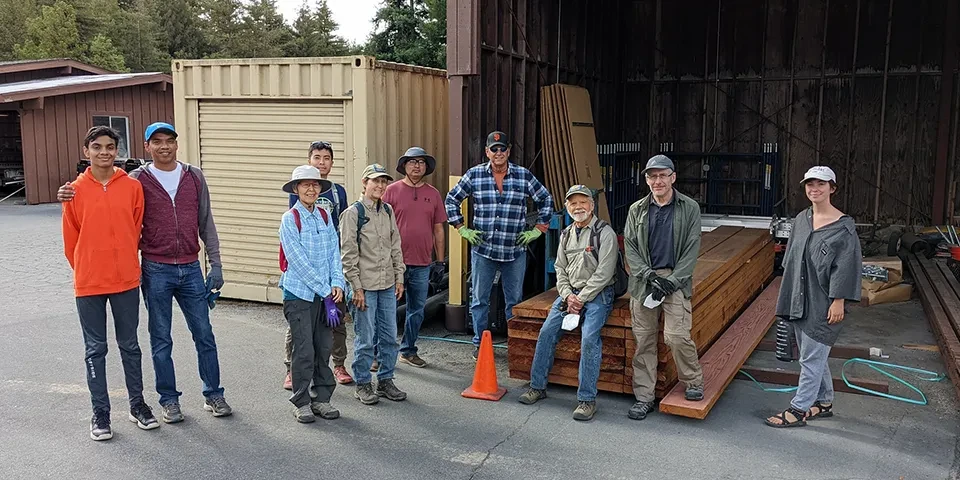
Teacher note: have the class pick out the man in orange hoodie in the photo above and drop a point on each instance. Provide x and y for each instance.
(101, 235)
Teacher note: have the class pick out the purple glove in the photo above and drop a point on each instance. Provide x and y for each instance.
(333, 314)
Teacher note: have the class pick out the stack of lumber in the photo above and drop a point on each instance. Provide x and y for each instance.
(570, 143)
(940, 295)
(733, 266)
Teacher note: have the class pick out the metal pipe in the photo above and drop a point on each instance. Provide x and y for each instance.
(948, 240)
(14, 193)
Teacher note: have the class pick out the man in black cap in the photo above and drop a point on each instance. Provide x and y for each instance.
(662, 241)
(500, 234)
(420, 218)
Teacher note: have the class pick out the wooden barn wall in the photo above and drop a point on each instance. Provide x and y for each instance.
(500, 52)
(53, 136)
(852, 84)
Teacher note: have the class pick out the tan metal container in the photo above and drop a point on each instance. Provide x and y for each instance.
(248, 122)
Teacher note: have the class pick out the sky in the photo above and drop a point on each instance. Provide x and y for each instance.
(352, 16)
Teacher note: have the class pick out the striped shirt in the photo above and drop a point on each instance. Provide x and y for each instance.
(501, 216)
(313, 255)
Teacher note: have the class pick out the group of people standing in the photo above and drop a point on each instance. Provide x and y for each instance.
(358, 260)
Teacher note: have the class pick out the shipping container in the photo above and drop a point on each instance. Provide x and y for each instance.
(247, 123)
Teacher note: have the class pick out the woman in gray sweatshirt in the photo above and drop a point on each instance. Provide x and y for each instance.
(821, 272)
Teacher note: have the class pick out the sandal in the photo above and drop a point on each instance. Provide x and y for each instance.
(825, 410)
(784, 423)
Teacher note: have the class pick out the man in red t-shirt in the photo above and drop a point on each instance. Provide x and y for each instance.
(420, 217)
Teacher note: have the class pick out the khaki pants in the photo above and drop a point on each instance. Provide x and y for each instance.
(677, 322)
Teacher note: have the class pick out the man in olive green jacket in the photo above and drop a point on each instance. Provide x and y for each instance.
(662, 241)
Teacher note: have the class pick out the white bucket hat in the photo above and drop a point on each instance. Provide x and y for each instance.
(820, 172)
(306, 172)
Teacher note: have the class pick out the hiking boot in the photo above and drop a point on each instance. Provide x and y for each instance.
(413, 360)
(304, 414)
(288, 382)
(365, 394)
(170, 413)
(375, 366)
(694, 394)
(585, 411)
(386, 388)
(143, 417)
(218, 406)
(324, 410)
(640, 410)
(532, 395)
(343, 377)
(100, 425)
(476, 353)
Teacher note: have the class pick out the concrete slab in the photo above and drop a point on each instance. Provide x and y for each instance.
(436, 433)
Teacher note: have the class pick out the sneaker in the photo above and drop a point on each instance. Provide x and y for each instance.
(143, 417)
(288, 382)
(100, 425)
(304, 414)
(532, 395)
(476, 353)
(218, 406)
(386, 388)
(585, 411)
(413, 360)
(324, 410)
(640, 410)
(375, 366)
(365, 394)
(694, 394)
(343, 377)
(170, 413)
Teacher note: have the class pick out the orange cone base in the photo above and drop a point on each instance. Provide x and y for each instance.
(493, 397)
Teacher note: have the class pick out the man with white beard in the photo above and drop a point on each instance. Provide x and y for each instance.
(586, 264)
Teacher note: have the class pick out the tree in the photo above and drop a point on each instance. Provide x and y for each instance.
(264, 32)
(410, 32)
(104, 54)
(53, 34)
(136, 33)
(181, 29)
(13, 16)
(313, 33)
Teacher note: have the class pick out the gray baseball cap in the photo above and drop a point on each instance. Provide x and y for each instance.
(658, 162)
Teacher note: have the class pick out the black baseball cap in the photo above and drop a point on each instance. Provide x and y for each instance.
(498, 138)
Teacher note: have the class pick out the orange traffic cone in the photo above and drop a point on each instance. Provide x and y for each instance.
(485, 385)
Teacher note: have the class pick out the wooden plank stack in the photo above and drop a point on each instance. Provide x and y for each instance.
(940, 295)
(733, 265)
(570, 143)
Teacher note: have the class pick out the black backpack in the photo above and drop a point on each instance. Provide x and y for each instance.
(362, 217)
(621, 280)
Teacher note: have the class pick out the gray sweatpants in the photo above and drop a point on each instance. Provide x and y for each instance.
(816, 382)
(313, 379)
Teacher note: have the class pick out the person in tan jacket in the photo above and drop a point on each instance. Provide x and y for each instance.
(373, 266)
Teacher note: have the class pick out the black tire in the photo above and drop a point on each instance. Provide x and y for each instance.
(893, 245)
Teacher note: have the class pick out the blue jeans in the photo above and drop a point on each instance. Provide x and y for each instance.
(592, 318)
(416, 284)
(375, 326)
(483, 273)
(161, 283)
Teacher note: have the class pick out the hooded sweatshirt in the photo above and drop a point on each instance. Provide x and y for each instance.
(173, 228)
(101, 231)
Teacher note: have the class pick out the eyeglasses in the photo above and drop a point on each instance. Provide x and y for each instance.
(417, 161)
(310, 186)
(659, 176)
(498, 148)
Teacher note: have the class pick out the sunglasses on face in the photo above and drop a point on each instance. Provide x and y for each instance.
(498, 149)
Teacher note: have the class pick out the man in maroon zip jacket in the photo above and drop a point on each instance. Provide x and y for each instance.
(176, 217)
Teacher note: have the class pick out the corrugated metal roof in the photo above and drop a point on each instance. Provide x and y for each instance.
(18, 91)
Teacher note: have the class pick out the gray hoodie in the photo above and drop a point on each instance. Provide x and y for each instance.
(818, 267)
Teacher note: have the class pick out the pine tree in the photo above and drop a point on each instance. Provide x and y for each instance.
(104, 54)
(52, 34)
(313, 33)
(413, 32)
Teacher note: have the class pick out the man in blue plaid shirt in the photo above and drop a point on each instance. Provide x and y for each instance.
(500, 235)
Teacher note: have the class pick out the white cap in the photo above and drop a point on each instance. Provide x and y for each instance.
(820, 172)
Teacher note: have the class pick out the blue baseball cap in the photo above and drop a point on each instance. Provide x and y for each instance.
(162, 127)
